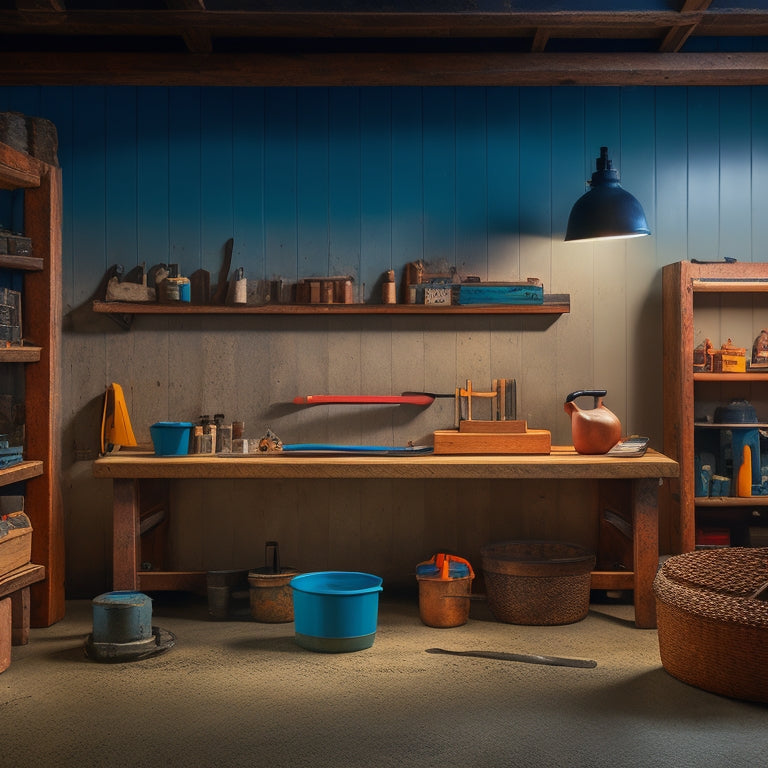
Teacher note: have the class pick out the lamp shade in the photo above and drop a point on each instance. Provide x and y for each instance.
(607, 210)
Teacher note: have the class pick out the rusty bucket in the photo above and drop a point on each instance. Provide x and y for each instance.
(270, 591)
(445, 586)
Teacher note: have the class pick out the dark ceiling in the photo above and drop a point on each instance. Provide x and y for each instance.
(401, 42)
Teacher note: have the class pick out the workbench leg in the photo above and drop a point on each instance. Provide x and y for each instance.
(126, 534)
(645, 524)
(20, 607)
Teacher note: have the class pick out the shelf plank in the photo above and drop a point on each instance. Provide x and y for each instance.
(554, 304)
(731, 501)
(17, 169)
(731, 376)
(22, 471)
(29, 263)
(20, 354)
(730, 286)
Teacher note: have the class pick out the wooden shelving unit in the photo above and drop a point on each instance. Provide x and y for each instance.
(42, 319)
(554, 304)
(684, 388)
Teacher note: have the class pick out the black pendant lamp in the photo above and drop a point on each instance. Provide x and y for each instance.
(606, 211)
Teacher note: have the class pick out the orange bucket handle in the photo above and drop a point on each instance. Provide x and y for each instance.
(442, 562)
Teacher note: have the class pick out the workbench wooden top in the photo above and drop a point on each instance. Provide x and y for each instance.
(563, 463)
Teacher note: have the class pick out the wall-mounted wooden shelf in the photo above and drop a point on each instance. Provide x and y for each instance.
(20, 354)
(24, 470)
(554, 304)
(29, 263)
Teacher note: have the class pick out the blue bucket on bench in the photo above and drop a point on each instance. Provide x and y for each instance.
(335, 611)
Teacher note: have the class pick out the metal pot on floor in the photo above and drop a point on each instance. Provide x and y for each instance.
(270, 592)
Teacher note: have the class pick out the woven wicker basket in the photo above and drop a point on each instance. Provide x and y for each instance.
(712, 633)
(537, 582)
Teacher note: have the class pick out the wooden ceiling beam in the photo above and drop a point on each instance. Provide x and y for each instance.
(40, 5)
(43, 17)
(381, 69)
(196, 39)
(675, 39)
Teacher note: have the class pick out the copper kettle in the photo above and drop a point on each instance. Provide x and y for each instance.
(594, 430)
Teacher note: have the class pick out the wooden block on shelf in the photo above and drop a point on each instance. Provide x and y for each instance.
(508, 426)
(533, 441)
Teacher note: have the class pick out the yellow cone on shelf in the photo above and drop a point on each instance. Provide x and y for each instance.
(744, 477)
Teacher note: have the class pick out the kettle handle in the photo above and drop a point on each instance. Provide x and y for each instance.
(596, 393)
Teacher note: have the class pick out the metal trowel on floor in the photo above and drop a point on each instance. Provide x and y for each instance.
(528, 658)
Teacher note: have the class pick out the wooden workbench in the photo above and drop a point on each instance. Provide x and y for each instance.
(128, 470)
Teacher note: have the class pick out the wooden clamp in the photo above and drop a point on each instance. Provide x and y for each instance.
(503, 394)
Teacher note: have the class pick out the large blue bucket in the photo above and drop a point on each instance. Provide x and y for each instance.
(335, 611)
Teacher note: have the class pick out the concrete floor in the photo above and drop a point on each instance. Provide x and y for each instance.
(241, 693)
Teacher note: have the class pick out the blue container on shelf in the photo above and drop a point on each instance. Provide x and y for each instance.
(171, 438)
(335, 611)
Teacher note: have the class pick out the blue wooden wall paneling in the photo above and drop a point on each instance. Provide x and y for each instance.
(344, 181)
(503, 183)
(572, 263)
(407, 227)
(249, 230)
(156, 358)
(502, 200)
(703, 174)
(88, 191)
(471, 228)
(407, 176)
(185, 192)
(759, 174)
(443, 353)
(536, 381)
(376, 221)
(439, 180)
(376, 228)
(119, 226)
(312, 182)
(216, 172)
(121, 151)
(280, 173)
(313, 247)
(344, 206)
(248, 177)
(471, 182)
(292, 368)
(735, 173)
(152, 174)
(670, 230)
(643, 296)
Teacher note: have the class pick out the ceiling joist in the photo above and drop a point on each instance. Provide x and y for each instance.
(380, 69)
(186, 43)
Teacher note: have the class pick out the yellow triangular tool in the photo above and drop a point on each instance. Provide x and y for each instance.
(116, 427)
